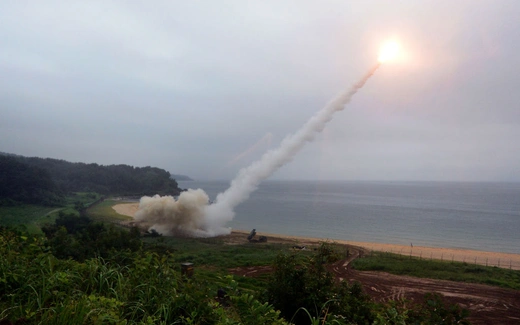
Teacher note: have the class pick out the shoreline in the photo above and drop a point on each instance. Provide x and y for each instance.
(484, 258)
(476, 257)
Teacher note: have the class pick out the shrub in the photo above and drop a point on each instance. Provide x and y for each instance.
(303, 291)
(79, 238)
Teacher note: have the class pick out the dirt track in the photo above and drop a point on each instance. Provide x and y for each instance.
(487, 304)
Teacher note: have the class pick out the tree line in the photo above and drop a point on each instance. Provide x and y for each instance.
(20, 182)
(46, 180)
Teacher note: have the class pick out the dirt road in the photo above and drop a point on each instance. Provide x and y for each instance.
(487, 304)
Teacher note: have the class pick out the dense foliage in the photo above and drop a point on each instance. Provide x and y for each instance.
(303, 291)
(42, 181)
(38, 288)
(85, 272)
(144, 287)
(20, 182)
(79, 238)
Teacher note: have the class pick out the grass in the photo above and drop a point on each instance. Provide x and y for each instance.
(45, 290)
(207, 252)
(212, 251)
(212, 258)
(434, 269)
(212, 255)
(85, 198)
(27, 215)
(32, 217)
(103, 212)
(143, 288)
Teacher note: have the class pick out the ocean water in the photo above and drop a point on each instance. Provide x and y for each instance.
(481, 216)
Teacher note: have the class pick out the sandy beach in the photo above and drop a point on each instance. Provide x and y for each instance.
(505, 260)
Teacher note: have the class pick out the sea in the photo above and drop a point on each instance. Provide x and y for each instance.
(479, 216)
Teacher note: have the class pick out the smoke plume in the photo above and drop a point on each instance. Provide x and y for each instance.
(192, 215)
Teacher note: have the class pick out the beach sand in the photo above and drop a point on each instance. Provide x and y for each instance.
(504, 260)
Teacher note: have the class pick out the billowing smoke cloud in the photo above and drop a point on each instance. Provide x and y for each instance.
(192, 215)
(184, 216)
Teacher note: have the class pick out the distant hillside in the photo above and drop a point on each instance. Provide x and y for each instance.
(111, 179)
(20, 182)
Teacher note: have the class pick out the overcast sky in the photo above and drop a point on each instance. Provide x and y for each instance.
(203, 88)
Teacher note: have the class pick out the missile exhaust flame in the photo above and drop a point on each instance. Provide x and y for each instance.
(388, 51)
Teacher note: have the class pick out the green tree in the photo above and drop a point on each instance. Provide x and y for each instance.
(111, 179)
(79, 238)
(306, 290)
(25, 183)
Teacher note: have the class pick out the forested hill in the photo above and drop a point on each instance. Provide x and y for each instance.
(21, 182)
(82, 177)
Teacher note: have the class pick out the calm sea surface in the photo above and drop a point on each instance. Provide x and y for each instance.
(482, 216)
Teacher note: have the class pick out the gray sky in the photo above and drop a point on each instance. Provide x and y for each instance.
(190, 86)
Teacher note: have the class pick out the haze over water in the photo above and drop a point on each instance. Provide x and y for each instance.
(481, 216)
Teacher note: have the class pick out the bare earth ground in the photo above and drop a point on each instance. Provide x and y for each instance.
(487, 304)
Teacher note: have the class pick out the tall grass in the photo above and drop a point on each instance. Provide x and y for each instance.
(146, 287)
(37, 288)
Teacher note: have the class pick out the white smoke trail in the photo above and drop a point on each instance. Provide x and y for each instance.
(248, 179)
(192, 215)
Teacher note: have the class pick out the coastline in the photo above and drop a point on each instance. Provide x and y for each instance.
(498, 259)
(503, 260)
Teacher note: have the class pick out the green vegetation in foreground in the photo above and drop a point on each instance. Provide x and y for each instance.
(434, 269)
(211, 255)
(123, 288)
(104, 212)
(87, 272)
(146, 287)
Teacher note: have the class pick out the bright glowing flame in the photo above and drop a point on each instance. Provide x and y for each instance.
(388, 51)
